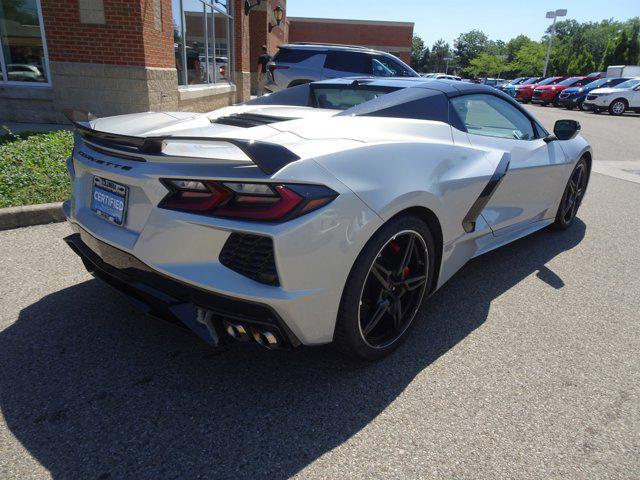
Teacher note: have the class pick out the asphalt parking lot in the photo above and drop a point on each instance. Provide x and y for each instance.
(615, 140)
(526, 366)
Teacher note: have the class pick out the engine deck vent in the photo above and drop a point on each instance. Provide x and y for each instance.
(248, 120)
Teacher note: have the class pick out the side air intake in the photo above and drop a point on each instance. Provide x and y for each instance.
(251, 256)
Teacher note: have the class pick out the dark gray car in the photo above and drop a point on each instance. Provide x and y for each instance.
(298, 63)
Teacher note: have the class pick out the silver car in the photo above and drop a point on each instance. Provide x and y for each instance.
(299, 63)
(326, 212)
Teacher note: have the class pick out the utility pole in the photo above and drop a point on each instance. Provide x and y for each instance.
(447, 59)
(553, 14)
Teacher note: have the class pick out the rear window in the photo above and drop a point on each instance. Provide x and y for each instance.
(353, 62)
(285, 55)
(344, 97)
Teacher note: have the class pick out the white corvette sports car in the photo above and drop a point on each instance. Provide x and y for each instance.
(327, 212)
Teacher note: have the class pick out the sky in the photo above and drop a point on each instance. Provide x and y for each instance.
(500, 20)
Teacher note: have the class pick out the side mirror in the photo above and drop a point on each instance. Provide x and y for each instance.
(566, 129)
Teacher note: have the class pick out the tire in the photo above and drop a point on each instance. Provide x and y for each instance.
(581, 107)
(572, 196)
(618, 106)
(568, 107)
(360, 297)
(544, 104)
(596, 110)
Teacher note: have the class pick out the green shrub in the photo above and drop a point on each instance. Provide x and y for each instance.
(32, 167)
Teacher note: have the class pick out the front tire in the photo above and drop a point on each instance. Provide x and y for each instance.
(573, 195)
(386, 289)
(617, 107)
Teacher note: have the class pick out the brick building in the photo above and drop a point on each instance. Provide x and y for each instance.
(123, 56)
(392, 37)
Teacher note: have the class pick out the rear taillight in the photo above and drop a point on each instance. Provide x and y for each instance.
(253, 201)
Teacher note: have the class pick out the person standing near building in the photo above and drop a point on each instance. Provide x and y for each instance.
(263, 62)
(194, 72)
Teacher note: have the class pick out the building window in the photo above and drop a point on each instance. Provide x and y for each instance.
(23, 58)
(202, 41)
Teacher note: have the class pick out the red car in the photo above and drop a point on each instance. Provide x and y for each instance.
(525, 92)
(545, 94)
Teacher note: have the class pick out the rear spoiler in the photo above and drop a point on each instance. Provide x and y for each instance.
(269, 157)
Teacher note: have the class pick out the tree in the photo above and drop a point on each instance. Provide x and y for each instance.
(486, 65)
(633, 52)
(439, 52)
(617, 53)
(516, 44)
(425, 60)
(417, 52)
(468, 46)
(582, 64)
(529, 59)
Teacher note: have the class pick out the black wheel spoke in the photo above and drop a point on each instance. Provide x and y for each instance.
(408, 252)
(568, 206)
(411, 283)
(381, 274)
(393, 288)
(381, 309)
(397, 315)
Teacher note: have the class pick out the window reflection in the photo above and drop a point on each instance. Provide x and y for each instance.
(21, 41)
(222, 45)
(201, 41)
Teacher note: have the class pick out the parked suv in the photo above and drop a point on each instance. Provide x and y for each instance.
(546, 94)
(575, 96)
(622, 97)
(298, 63)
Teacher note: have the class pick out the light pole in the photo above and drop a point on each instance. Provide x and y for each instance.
(447, 59)
(558, 13)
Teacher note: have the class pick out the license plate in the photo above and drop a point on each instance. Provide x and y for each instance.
(109, 200)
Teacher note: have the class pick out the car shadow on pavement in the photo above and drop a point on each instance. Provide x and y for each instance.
(93, 389)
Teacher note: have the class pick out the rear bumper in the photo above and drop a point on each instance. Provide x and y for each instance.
(172, 300)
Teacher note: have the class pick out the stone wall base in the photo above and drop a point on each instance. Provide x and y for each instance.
(107, 90)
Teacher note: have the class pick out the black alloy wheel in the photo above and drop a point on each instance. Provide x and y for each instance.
(386, 289)
(394, 289)
(573, 195)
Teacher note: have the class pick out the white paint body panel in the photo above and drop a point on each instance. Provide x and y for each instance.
(379, 167)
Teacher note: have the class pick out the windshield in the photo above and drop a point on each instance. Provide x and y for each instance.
(341, 97)
(529, 81)
(572, 80)
(549, 81)
(629, 83)
(599, 83)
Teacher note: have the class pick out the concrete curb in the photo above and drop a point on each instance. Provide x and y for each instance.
(15, 217)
